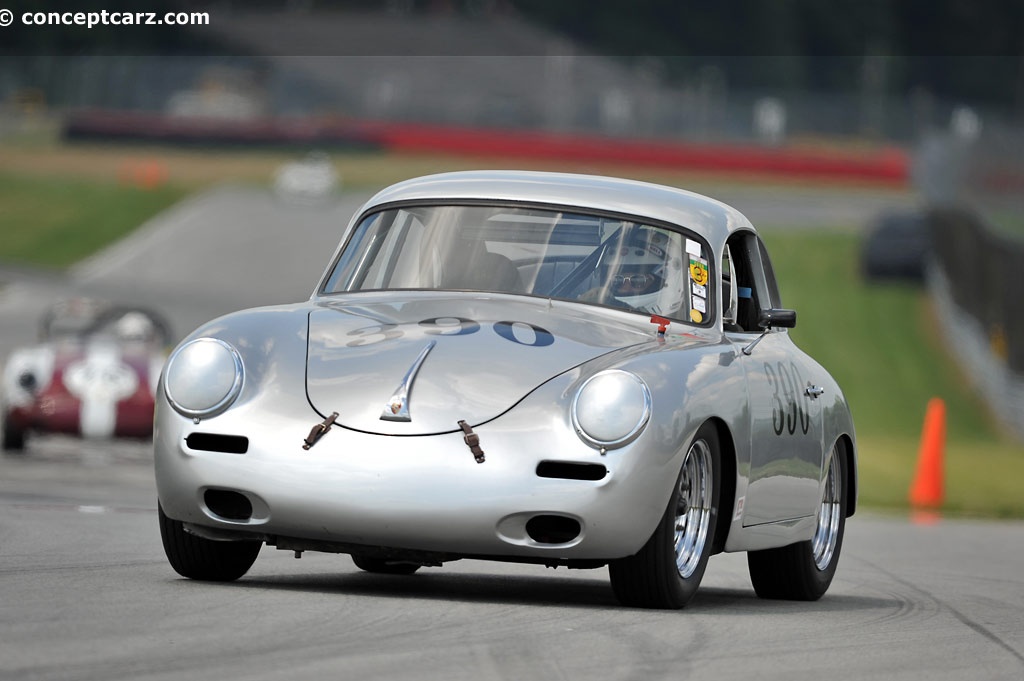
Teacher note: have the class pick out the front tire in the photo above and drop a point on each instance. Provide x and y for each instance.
(666, 572)
(804, 571)
(204, 559)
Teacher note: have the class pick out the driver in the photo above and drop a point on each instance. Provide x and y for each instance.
(646, 274)
(635, 281)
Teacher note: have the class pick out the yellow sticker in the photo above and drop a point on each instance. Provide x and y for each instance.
(699, 271)
(696, 317)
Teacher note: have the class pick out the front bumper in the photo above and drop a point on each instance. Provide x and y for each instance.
(417, 493)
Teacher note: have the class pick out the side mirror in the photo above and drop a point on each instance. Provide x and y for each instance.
(771, 318)
(777, 317)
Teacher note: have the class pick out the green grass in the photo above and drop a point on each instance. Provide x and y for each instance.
(880, 343)
(54, 222)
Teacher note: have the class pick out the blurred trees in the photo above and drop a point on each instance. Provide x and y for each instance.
(955, 49)
(960, 50)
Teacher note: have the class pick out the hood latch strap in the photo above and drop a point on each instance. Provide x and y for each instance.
(319, 430)
(472, 441)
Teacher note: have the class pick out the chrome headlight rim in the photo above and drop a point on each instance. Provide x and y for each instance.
(222, 404)
(633, 433)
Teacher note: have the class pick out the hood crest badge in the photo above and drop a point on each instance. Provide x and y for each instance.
(397, 407)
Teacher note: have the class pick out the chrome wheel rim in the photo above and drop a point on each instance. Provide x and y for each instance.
(693, 513)
(827, 534)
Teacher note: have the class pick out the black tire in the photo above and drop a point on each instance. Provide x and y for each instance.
(384, 567)
(804, 571)
(13, 438)
(204, 559)
(653, 578)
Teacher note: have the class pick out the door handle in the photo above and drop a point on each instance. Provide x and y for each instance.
(814, 391)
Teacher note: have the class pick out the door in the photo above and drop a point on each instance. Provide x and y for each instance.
(786, 433)
(786, 449)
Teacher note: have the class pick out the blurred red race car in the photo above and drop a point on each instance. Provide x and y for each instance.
(92, 375)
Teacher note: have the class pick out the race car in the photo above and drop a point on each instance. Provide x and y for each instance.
(545, 368)
(93, 374)
(312, 178)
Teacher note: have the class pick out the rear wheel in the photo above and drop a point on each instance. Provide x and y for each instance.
(666, 572)
(804, 571)
(384, 567)
(204, 559)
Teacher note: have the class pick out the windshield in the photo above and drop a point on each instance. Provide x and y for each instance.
(573, 256)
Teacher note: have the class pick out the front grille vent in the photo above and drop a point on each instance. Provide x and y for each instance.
(212, 442)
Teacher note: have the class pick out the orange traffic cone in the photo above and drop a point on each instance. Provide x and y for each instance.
(147, 173)
(927, 489)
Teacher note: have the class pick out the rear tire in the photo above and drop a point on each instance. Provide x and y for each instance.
(804, 571)
(666, 572)
(384, 567)
(204, 559)
(13, 438)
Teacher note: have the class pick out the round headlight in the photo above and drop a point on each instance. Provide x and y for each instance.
(203, 377)
(611, 408)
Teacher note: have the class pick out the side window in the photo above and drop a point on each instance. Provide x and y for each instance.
(748, 290)
(771, 285)
(729, 292)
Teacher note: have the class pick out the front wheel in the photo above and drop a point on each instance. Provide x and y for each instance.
(204, 559)
(804, 571)
(666, 572)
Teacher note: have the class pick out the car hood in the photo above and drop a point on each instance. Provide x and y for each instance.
(458, 357)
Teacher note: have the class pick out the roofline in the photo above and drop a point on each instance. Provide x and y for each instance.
(707, 216)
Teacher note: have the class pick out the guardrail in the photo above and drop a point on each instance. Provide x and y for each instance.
(973, 188)
(882, 166)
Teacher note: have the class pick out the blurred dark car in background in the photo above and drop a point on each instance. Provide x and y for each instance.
(92, 374)
(896, 247)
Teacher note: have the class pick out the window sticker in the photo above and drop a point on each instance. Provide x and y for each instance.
(696, 317)
(699, 290)
(700, 304)
(693, 247)
(699, 270)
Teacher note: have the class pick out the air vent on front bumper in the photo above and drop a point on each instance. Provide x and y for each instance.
(228, 504)
(212, 442)
(569, 470)
(553, 529)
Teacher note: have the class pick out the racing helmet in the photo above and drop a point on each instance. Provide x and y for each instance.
(647, 272)
(134, 326)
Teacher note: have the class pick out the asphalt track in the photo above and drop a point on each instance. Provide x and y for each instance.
(85, 592)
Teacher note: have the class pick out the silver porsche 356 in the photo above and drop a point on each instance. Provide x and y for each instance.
(543, 368)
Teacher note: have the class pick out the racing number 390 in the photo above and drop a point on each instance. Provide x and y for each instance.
(788, 412)
(454, 326)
